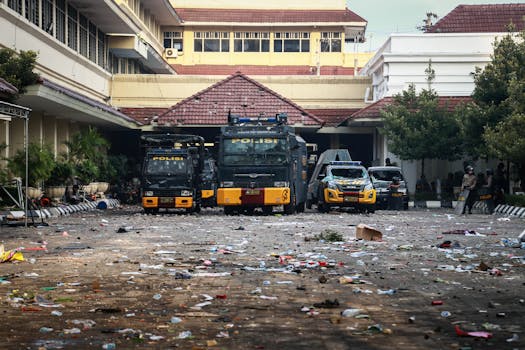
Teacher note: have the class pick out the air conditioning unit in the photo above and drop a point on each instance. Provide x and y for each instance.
(171, 53)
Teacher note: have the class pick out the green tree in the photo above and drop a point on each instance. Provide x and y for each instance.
(494, 126)
(418, 128)
(17, 69)
(41, 162)
(88, 151)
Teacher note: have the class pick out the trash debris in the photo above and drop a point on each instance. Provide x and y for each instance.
(184, 335)
(386, 292)
(327, 304)
(351, 312)
(478, 334)
(10, 255)
(511, 242)
(462, 232)
(367, 233)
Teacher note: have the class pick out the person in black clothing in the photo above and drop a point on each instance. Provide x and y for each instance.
(469, 183)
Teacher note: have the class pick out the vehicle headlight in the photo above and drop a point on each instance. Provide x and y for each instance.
(185, 193)
(148, 193)
(280, 184)
(227, 184)
(369, 187)
(332, 186)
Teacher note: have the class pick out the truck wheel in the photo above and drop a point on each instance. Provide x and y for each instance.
(228, 210)
(267, 210)
(151, 211)
(371, 209)
(308, 204)
(323, 207)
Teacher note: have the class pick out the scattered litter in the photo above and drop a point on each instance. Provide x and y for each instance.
(11, 255)
(351, 312)
(477, 334)
(184, 335)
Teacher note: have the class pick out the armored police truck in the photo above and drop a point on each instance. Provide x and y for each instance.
(262, 163)
(172, 172)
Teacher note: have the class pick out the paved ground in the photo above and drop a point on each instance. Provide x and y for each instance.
(211, 281)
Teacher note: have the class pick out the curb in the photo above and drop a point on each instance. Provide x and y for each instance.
(60, 210)
(479, 207)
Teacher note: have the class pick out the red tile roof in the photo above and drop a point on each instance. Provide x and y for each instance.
(267, 16)
(203, 69)
(481, 19)
(240, 95)
(143, 115)
(373, 111)
(333, 117)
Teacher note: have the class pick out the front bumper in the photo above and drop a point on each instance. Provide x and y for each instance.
(253, 196)
(167, 202)
(349, 199)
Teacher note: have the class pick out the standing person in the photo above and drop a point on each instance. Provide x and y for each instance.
(469, 183)
(489, 187)
(387, 162)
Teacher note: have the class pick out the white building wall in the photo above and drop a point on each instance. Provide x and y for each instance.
(55, 61)
(404, 58)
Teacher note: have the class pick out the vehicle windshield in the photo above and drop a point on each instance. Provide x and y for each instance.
(386, 175)
(254, 151)
(165, 165)
(352, 173)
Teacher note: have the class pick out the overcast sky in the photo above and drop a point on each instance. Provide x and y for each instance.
(402, 16)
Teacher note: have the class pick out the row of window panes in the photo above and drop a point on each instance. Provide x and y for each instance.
(54, 16)
(126, 66)
(254, 41)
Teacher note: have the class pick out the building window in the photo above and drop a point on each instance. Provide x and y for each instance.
(331, 42)
(92, 42)
(211, 41)
(173, 40)
(291, 42)
(15, 5)
(251, 42)
(33, 11)
(61, 20)
(101, 49)
(72, 29)
(83, 35)
(47, 16)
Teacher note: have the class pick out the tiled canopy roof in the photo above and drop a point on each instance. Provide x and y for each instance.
(267, 16)
(373, 111)
(481, 19)
(7, 89)
(333, 117)
(238, 94)
(143, 115)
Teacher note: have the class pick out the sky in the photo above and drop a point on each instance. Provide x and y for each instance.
(402, 16)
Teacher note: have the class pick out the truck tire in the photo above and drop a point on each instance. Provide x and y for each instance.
(308, 204)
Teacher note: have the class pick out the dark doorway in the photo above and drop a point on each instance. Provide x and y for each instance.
(360, 146)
